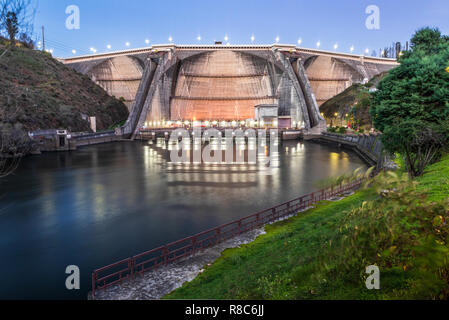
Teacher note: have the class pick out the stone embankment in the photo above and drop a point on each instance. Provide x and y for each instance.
(368, 146)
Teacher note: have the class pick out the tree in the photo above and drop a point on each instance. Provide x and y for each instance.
(22, 11)
(428, 40)
(413, 97)
(14, 142)
(420, 142)
(12, 27)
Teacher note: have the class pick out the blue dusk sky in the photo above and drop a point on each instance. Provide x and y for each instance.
(116, 22)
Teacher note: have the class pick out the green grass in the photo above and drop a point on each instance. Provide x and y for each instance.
(322, 253)
(435, 181)
(281, 253)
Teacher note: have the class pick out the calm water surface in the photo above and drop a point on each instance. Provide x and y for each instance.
(105, 203)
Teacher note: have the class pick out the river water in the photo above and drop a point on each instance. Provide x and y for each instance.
(104, 203)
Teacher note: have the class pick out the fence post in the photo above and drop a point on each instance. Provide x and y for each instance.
(193, 245)
(218, 236)
(165, 253)
(94, 281)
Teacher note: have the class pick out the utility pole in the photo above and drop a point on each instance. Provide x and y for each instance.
(43, 38)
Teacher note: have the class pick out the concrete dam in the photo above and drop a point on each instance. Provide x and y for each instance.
(167, 84)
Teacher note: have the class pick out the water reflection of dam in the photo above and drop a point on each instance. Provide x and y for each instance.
(129, 197)
(219, 151)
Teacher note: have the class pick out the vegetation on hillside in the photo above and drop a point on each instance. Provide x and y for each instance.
(357, 96)
(397, 224)
(39, 92)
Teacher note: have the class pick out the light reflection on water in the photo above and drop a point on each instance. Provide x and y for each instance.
(104, 203)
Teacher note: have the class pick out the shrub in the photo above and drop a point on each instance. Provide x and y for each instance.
(341, 130)
(402, 233)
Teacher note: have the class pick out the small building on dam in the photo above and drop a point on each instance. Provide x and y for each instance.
(165, 85)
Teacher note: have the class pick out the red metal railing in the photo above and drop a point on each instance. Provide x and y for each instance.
(175, 251)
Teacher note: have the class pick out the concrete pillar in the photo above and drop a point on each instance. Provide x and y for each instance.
(93, 124)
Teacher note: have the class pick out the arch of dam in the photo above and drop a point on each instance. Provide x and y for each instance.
(225, 82)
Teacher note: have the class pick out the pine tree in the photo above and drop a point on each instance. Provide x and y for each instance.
(12, 26)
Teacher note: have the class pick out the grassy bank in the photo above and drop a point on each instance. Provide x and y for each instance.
(396, 224)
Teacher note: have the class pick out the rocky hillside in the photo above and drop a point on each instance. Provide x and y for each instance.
(349, 97)
(39, 92)
(356, 95)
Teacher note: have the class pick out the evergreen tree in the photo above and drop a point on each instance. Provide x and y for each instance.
(411, 106)
(12, 26)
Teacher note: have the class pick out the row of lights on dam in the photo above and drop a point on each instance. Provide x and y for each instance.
(217, 124)
(226, 39)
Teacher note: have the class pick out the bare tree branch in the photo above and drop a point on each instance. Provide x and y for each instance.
(14, 141)
(24, 10)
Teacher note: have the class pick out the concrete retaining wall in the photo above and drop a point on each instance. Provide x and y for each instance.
(95, 139)
(51, 141)
(368, 146)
